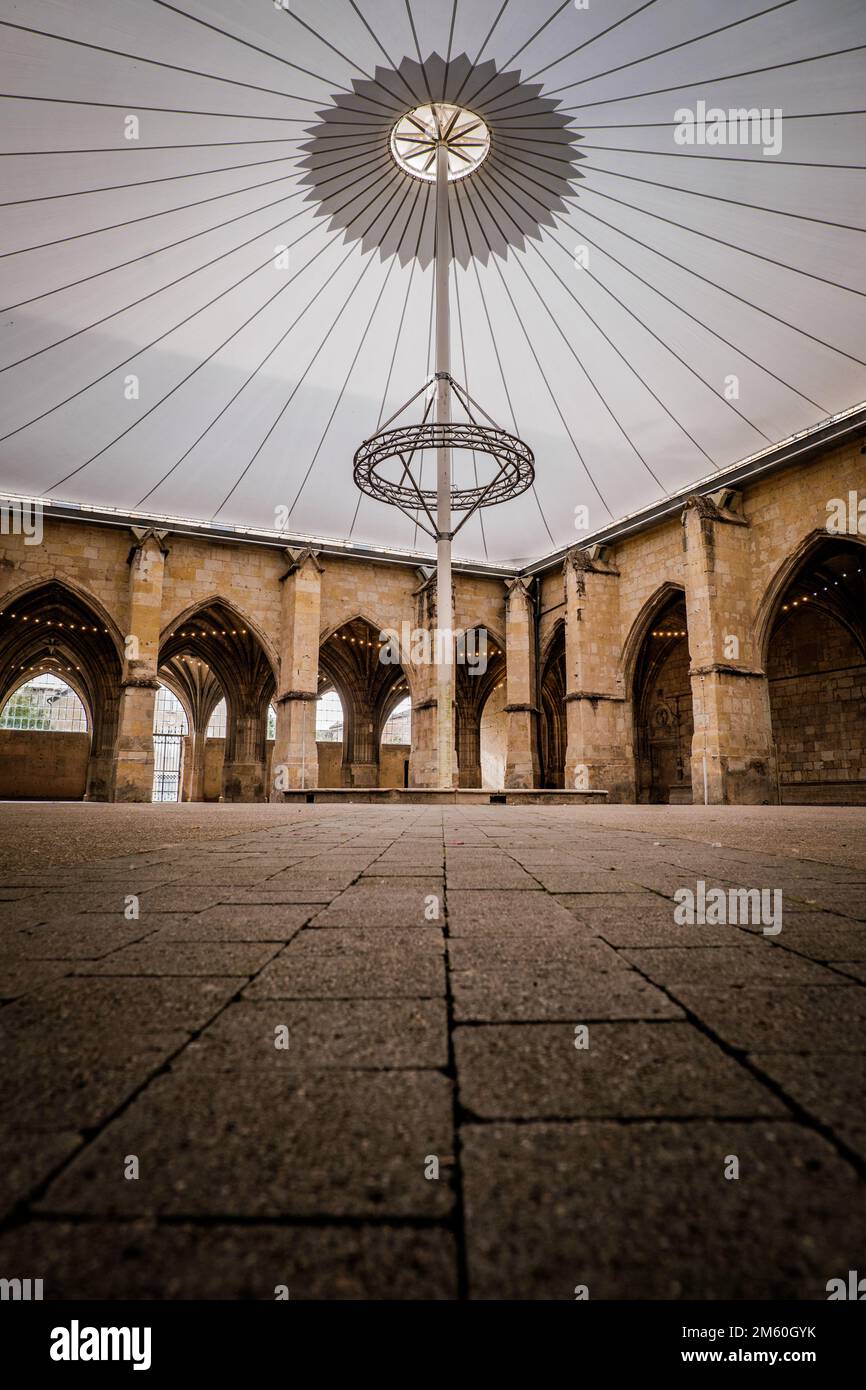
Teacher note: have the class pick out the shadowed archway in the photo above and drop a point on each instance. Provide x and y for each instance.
(234, 664)
(52, 627)
(816, 672)
(663, 720)
(369, 689)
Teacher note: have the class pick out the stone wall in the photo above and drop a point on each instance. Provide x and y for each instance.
(817, 678)
(43, 766)
(728, 558)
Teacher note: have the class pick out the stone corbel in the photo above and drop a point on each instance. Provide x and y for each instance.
(296, 560)
(518, 588)
(142, 535)
(588, 559)
(427, 580)
(594, 559)
(724, 505)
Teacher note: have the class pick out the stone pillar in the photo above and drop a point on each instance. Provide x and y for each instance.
(196, 791)
(100, 775)
(360, 766)
(244, 765)
(521, 754)
(100, 767)
(600, 752)
(423, 759)
(187, 767)
(295, 760)
(469, 744)
(132, 771)
(733, 760)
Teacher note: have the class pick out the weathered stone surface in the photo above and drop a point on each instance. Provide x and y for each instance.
(141, 1260)
(625, 1070)
(333, 1143)
(644, 1211)
(783, 1018)
(412, 1040)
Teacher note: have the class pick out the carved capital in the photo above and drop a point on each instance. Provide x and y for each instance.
(140, 683)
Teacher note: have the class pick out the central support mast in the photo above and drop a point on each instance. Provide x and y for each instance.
(444, 647)
(441, 143)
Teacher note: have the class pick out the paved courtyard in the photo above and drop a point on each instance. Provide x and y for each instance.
(431, 1052)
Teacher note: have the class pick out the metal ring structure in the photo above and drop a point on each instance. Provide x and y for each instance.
(516, 462)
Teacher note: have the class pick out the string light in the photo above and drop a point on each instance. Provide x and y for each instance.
(804, 598)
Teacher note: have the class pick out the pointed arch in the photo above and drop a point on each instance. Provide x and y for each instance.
(809, 547)
(658, 601)
(58, 626)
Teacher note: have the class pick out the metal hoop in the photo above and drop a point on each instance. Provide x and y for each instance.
(515, 459)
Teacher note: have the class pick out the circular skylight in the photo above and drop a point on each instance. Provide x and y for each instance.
(416, 136)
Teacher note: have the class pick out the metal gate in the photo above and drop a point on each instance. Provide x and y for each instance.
(167, 764)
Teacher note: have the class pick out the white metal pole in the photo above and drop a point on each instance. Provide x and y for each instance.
(444, 651)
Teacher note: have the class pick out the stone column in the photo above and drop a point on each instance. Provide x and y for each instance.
(469, 744)
(599, 752)
(521, 753)
(733, 760)
(423, 758)
(295, 761)
(196, 791)
(245, 753)
(360, 766)
(132, 771)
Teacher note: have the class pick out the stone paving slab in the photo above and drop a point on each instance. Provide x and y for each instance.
(168, 958)
(80, 938)
(824, 937)
(416, 1042)
(856, 969)
(20, 977)
(481, 877)
(392, 971)
(644, 1211)
(331, 1144)
(598, 910)
(621, 1070)
(829, 1086)
(111, 1013)
(498, 911)
(514, 988)
(381, 907)
(68, 1089)
(27, 1159)
(648, 930)
(142, 1260)
(180, 898)
(730, 965)
(304, 890)
(383, 1034)
(239, 922)
(781, 1018)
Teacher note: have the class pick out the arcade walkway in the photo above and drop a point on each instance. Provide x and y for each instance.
(286, 1019)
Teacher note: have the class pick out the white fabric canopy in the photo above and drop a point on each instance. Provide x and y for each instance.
(639, 310)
